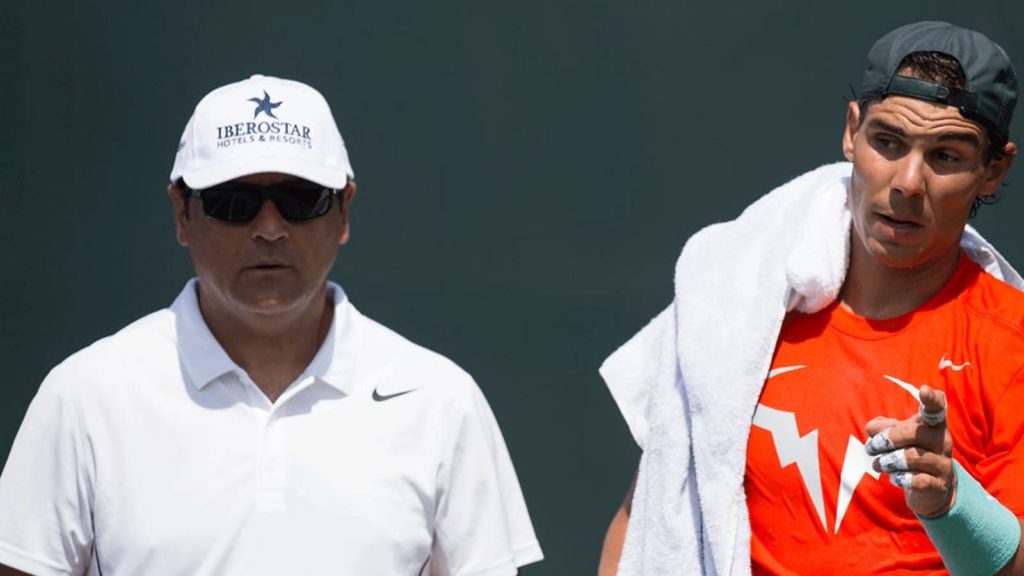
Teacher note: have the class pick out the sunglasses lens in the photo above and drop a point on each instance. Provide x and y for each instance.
(242, 202)
(301, 203)
(231, 204)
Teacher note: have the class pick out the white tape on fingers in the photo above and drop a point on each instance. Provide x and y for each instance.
(932, 419)
(879, 444)
(895, 461)
(901, 479)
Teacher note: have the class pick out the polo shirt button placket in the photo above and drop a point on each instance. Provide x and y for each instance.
(272, 473)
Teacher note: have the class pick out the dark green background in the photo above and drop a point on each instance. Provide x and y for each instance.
(527, 172)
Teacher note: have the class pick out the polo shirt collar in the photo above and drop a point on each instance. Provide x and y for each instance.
(205, 360)
(334, 363)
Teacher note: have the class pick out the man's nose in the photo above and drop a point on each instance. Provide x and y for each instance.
(908, 178)
(268, 224)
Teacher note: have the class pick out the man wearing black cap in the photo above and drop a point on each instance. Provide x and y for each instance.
(849, 325)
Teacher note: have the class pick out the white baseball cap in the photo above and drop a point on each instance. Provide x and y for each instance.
(262, 124)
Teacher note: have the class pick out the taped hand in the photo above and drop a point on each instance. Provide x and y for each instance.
(915, 453)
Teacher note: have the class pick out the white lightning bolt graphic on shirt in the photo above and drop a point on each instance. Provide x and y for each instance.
(803, 451)
(910, 388)
(857, 463)
(793, 448)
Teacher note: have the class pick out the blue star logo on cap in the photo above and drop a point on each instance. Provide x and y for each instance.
(264, 105)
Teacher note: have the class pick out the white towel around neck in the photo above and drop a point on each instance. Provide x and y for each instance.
(711, 352)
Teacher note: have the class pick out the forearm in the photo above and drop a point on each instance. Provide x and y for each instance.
(978, 535)
(613, 541)
(1015, 567)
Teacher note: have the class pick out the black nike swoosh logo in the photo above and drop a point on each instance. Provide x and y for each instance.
(378, 398)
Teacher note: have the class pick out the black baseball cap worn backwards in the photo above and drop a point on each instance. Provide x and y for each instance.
(990, 94)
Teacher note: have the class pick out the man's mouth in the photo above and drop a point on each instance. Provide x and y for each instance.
(898, 222)
(268, 265)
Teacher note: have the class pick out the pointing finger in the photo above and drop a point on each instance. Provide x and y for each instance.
(933, 406)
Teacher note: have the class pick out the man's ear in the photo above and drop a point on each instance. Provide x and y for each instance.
(180, 209)
(345, 201)
(850, 131)
(997, 169)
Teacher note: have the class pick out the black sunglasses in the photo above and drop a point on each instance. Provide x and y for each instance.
(238, 202)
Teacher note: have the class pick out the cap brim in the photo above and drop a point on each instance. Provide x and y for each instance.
(224, 171)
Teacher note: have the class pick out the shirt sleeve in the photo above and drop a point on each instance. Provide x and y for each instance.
(643, 364)
(1001, 469)
(45, 515)
(482, 527)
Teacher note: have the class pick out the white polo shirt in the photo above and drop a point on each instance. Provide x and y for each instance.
(151, 452)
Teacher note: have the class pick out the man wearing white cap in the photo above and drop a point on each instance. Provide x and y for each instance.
(261, 424)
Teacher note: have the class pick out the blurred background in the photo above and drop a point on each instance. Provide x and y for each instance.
(528, 172)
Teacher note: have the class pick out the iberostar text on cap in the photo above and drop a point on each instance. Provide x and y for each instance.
(262, 124)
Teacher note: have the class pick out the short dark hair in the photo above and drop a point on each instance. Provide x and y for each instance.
(935, 66)
(944, 69)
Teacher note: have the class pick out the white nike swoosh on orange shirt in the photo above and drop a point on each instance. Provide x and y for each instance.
(947, 364)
